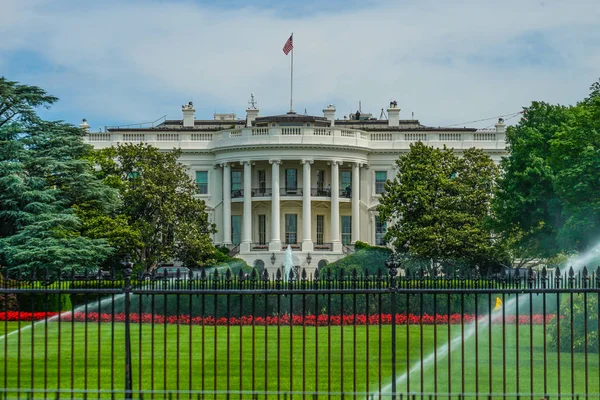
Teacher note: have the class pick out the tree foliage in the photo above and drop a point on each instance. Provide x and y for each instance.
(438, 206)
(165, 220)
(549, 199)
(43, 175)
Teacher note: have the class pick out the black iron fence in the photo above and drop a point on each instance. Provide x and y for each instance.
(324, 336)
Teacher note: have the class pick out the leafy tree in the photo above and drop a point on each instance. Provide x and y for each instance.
(43, 175)
(548, 199)
(164, 217)
(438, 206)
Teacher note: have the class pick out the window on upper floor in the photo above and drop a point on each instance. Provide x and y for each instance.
(236, 184)
(202, 181)
(380, 178)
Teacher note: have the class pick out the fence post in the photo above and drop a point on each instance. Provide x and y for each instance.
(392, 265)
(128, 374)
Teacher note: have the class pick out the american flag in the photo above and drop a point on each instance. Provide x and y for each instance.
(289, 45)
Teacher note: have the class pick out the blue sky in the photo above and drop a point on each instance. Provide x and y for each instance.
(122, 62)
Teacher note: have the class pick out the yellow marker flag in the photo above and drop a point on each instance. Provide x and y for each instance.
(498, 304)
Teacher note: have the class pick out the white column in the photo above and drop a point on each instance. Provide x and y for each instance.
(275, 243)
(335, 206)
(355, 202)
(247, 224)
(226, 203)
(307, 243)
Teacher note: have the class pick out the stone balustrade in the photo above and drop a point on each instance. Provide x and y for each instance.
(400, 140)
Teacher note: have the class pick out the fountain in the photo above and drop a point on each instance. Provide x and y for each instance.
(289, 270)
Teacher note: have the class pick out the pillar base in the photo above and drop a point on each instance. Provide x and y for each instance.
(307, 245)
(275, 246)
(337, 247)
(245, 247)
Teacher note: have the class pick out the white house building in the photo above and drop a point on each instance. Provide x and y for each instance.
(307, 181)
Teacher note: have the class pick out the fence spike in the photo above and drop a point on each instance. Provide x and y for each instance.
(278, 274)
(303, 274)
(203, 274)
(254, 274)
(216, 275)
(265, 275)
(316, 276)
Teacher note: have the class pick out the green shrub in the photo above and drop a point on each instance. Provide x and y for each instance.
(365, 258)
(36, 302)
(576, 319)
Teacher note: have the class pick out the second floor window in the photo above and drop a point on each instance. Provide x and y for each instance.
(202, 181)
(380, 178)
(291, 179)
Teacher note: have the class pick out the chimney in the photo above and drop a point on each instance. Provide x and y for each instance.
(500, 127)
(84, 125)
(393, 114)
(188, 115)
(329, 113)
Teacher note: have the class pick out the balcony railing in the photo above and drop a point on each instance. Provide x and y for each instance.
(323, 247)
(294, 246)
(261, 192)
(237, 193)
(290, 191)
(164, 138)
(320, 192)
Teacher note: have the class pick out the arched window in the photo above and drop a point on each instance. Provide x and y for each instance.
(259, 265)
(322, 264)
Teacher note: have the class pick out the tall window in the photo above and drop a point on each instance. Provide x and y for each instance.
(262, 229)
(320, 182)
(236, 183)
(346, 229)
(262, 181)
(380, 178)
(291, 228)
(291, 180)
(236, 229)
(380, 228)
(202, 181)
(346, 183)
(320, 228)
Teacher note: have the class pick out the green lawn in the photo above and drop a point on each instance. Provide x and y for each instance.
(336, 359)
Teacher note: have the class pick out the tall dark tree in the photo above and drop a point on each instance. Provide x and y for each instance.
(43, 175)
(438, 206)
(159, 204)
(549, 199)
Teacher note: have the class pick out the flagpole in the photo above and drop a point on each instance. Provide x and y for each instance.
(292, 74)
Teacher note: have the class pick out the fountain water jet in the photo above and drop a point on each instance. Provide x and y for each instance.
(289, 269)
(577, 262)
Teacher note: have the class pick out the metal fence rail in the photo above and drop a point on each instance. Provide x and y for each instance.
(316, 337)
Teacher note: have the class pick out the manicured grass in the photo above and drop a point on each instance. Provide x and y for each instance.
(336, 359)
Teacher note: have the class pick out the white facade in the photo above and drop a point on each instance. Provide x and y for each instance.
(311, 182)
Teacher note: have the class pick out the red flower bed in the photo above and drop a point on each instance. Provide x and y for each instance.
(308, 320)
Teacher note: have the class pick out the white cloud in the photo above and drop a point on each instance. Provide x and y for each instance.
(446, 61)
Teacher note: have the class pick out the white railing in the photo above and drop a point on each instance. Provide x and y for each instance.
(260, 131)
(291, 131)
(415, 137)
(330, 135)
(322, 132)
(167, 137)
(134, 137)
(484, 136)
(99, 137)
(381, 137)
(201, 137)
(450, 137)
